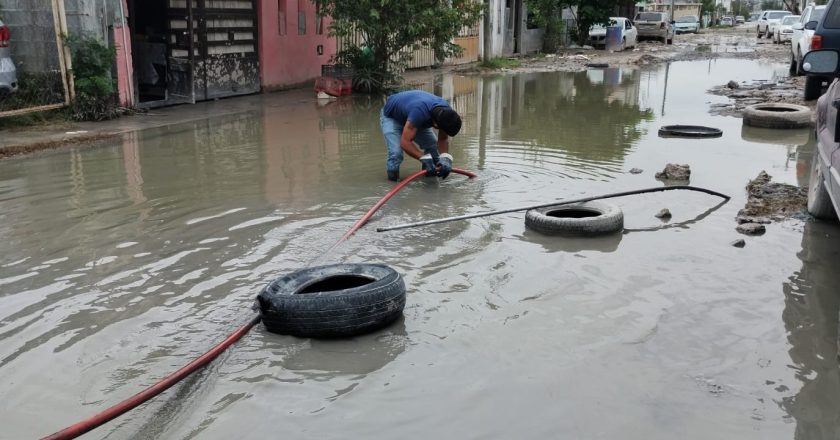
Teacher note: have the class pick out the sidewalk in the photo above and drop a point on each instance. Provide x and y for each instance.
(55, 135)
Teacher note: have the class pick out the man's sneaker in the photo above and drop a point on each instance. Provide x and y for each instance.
(394, 175)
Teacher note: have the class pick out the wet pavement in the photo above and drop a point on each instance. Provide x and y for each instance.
(124, 260)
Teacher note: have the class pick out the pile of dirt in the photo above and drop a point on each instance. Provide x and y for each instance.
(744, 94)
(768, 201)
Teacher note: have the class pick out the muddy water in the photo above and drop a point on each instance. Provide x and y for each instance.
(121, 262)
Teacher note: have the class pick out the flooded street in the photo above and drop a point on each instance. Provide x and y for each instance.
(123, 261)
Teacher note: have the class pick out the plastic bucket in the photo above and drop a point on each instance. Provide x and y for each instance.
(613, 38)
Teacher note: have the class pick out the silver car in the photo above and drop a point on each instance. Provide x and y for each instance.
(8, 73)
(655, 25)
(824, 185)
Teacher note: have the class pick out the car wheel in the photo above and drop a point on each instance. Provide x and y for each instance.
(671, 40)
(792, 69)
(813, 87)
(623, 44)
(819, 202)
(758, 32)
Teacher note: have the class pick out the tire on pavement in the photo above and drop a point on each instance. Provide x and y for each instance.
(777, 115)
(332, 301)
(583, 219)
(819, 202)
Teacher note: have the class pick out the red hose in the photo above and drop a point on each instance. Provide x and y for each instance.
(132, 402)
(361, 222)
(123, 407)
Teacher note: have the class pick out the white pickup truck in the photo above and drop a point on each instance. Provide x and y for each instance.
(766, 18)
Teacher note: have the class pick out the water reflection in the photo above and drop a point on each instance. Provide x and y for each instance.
(811, 311)
(130, 258)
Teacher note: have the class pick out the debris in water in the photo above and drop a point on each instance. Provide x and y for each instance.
(767, 201)
(664, 214)
(733, 85)
(673, 171)
(751, 229)
(636, 171)
(739, 243)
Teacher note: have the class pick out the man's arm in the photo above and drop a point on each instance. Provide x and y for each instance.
(443, 142)
(407, 140)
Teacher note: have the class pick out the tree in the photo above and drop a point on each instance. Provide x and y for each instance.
(587, 13)
(390, 29)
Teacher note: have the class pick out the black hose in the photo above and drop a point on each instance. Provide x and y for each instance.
(557, 203)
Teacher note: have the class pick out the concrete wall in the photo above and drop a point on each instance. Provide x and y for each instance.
(34, 47)
(287, 58)
(494, 29)
(532, 40)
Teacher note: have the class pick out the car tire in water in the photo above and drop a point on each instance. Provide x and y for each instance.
(793, 69)
(758, 32)
(777, 115)
(819, 202)
(583, 219)
(813, 87)
(333, 301)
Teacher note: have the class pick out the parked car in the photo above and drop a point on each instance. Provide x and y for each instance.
(688, 23)
(803, 33)
(739, 19)
(8, 73)
(727, 21)
(655, 25)
(824, 184)
(784, 30)
(821, 31)
(629, 33)
(766, 19)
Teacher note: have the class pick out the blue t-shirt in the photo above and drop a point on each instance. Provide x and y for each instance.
(415, 106)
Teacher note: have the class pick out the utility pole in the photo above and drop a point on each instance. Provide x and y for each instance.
(672, 10)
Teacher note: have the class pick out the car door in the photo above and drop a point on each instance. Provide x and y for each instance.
(798, 32)
(630, 33)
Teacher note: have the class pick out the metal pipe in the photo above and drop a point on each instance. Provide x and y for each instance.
(545, 205)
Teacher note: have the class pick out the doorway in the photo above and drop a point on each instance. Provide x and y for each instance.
(162, 47)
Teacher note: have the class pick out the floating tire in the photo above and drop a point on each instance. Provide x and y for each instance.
(584, 219)
(691, 131)
(333, 301)
(777, 115)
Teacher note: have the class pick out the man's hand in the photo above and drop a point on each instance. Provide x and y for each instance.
(444, 166)
(429, 165)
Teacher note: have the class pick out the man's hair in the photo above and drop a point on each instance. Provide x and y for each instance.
(447, 120)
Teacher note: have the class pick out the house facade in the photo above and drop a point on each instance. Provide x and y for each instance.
(185, 51)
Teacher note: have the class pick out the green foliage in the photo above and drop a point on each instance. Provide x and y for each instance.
(547, 15)
(390, 29)
(92, 62)
(499, 63)
(34, 90)
(589, 13)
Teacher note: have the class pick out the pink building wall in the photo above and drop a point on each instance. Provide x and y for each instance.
(288, 58)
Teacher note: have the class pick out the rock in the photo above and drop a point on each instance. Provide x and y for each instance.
(733, 85)
(636, 171)
(663, 214)
(739, 243)
(751, 229)
(741, 219)
(674, 172)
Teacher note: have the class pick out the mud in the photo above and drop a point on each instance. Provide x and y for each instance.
(767, 200)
